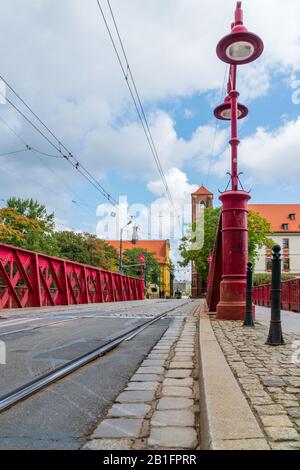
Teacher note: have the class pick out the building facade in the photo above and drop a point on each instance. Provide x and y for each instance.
(161, 250)
(201, 197)
(285, 231)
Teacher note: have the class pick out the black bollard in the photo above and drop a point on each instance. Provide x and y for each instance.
(275, 337)
(249, 303)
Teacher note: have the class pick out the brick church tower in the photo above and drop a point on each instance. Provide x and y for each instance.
(201, 197)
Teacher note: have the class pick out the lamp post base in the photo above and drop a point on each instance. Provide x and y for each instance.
(232, 305)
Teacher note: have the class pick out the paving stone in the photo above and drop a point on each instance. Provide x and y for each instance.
(241, 444)
(136, 396)
(153, 363)
(145, 378)
(292, 390)
(142, 385)
(292, 445)
(169, 418)
(150, 370)
(108, 444)
(158, 356)
(173, 437)
(261, 400)
(287, 403)
(184, 354)
(118, 427)
(182, 365)
(179, 382)
(293, 381)
(269, 409)
(182, 358)
(276, 421)
(184, 350)
(273, 382)
(294, 412)
(282, 434)
(177, 391)
(178, 373)
(174, 403)
(132, 410)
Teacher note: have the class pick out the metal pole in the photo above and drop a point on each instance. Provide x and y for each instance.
(234, 142)
(249, 302)
(275, 337)
(121, 251)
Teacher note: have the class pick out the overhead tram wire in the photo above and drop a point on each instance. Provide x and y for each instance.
(13, 153)
(36, 154)
(71, 159)
(139, 99)
(136, 100)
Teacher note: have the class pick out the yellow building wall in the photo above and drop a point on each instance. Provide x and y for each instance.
(165, 275)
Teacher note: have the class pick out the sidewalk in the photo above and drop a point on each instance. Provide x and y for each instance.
(159, 408)
(269, 378)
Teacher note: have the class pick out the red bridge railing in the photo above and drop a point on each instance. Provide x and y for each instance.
(29, 279)
(290, 295)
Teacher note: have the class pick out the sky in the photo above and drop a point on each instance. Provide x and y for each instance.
(58, 56)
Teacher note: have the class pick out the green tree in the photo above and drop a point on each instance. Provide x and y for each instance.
(28, 233)
(33, 210)
(152, 269)
(14, 228)
(259, 229)
(86, 248)
(101, 253)
(73, 247)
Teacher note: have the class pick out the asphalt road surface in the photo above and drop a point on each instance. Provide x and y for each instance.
(64, 414)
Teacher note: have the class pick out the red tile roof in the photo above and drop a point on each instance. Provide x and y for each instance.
(159, 247)
(279, 214)
(202, 191)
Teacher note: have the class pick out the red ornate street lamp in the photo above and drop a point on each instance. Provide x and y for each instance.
(239, 47)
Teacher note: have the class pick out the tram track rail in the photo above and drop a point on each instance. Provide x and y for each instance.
(22, 393)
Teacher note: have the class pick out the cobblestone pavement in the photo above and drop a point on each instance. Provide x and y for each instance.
(269, 377)
(159, 407)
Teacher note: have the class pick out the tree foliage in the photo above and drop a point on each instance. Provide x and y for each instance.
(259, 231)
(26, 223)
(33, 210)
(152, 269)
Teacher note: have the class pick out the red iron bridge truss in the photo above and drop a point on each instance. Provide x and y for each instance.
(29, 279)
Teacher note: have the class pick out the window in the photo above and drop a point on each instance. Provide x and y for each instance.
(292, 216)
(286, 264)
(285, 226)
(285, 243)
(269, 264)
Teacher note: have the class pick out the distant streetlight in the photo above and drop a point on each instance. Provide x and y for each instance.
(121, 245)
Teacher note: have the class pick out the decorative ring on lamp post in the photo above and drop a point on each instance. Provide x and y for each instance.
(223, 111)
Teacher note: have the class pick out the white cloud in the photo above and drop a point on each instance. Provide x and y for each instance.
(268, 156)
